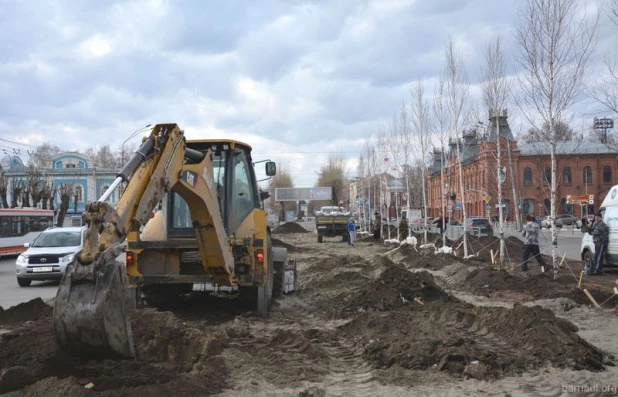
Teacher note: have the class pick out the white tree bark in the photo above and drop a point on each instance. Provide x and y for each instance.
(555, 42)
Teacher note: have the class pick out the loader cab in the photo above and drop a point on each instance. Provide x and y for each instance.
(236, 185)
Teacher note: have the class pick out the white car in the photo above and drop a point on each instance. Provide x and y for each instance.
(547, 222)
(49, 254)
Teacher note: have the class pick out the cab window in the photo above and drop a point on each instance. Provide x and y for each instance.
(243, 191)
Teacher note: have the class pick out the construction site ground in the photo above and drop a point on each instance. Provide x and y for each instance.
(370, 320)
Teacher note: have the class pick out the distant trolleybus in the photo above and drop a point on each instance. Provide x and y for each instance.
(21, 225)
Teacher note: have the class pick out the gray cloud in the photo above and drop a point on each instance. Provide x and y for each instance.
(292, 76)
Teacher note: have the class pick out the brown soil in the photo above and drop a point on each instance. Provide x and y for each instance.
(360, 323)
(289, 227)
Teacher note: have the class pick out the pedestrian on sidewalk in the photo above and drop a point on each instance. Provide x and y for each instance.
(600, 237)
(377, 226)
(531, 244)
(403, 228)
(351, 232)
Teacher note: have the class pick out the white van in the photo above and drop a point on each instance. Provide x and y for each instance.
(609, 209)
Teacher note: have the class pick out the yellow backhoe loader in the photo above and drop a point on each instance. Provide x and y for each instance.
(201, 217)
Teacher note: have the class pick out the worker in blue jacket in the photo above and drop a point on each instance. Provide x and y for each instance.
(351, 232)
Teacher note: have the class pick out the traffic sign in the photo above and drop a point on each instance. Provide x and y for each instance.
(580, 198)
(449, 207)
(487, 198)
(458, 206)
(488, 207)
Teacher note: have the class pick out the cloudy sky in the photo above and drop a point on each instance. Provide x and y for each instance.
(301, 81)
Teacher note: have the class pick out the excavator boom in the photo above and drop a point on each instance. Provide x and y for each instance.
(91, 308)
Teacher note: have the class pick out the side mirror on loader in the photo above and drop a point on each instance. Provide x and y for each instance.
(271, 168)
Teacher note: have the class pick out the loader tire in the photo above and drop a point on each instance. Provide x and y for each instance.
(278, 279)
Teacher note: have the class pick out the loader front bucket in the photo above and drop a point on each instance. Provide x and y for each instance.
(90, 314)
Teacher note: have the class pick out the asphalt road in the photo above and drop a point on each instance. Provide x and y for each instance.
(12, 294)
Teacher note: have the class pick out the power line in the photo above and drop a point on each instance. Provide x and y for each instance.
(17, 143)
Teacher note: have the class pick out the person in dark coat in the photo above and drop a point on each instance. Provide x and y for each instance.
(377, 226)
(403, 228)
(600, 237)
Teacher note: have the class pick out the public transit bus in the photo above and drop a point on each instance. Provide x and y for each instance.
(21, 225)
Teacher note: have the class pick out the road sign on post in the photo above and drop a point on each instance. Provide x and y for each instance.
(487, 207)
(487, 198)
(458, 206)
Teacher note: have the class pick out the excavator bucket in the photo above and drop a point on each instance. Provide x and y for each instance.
(91, 313)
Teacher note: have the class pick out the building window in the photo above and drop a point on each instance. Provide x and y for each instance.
(607, 174)
(587, 175)
(69, 166)
(527, 206)
(547, 206)
(566, 176)
(78, 193)
(547, 175)
(527, 176)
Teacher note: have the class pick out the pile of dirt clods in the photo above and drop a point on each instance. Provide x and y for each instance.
(172, 359)
(405, 319)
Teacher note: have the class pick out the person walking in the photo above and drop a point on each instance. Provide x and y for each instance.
(403, 228)
(600, 237)
(531, 244)
(351, 232)
(377, 226)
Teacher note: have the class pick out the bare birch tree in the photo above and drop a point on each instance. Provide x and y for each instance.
(457, 89)
(495, 92)
(421, 123)
(382, 166)
(406, 150)
(441, 117)
(555, 42)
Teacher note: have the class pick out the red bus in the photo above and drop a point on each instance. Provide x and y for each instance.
(21, 225)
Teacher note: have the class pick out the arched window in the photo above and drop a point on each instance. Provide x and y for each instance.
(607, 174)
(527, 176)
(587, 175)
(566, 176)
(547, 175)
(79, 196)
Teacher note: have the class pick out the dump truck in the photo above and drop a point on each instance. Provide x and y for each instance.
(191, 212)
(332, 221)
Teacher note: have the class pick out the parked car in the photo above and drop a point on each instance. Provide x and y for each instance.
(478, 226)
(49, 254)
(547, 222)
(421, 221)
(569, 220)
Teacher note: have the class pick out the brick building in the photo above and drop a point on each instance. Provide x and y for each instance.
(582, 168)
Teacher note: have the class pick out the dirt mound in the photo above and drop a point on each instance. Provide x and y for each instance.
(278, 243)
(394, 288)
(343, 271)
(27, 311)
(289, 227)
(463, 340)
(412, 257)
(168, 354)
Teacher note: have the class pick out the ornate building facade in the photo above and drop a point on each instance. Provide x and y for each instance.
(65, 169)
(582, 168)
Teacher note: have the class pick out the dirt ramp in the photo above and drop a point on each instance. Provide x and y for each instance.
(27, 311)
(289, 227)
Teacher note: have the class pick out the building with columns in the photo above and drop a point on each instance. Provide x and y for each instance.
(69, 169)
(583, 167)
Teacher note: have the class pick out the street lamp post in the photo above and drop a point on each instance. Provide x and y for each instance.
(603, 123)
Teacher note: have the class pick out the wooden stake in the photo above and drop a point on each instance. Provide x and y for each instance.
(579, 283)
(562, 260)
(491, 253)
(615, 290)
(419, 301)
(591, 298)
